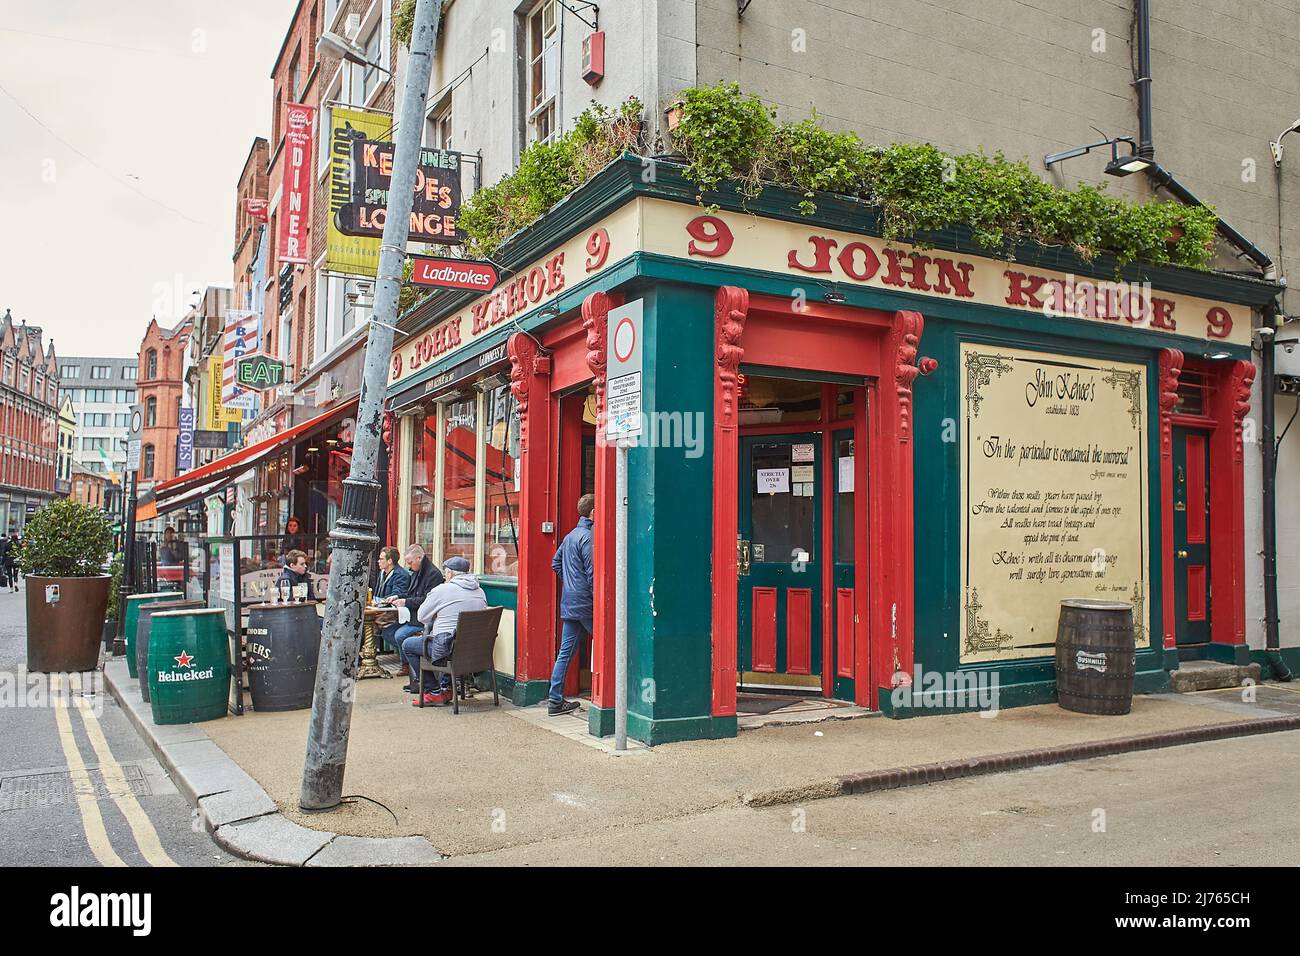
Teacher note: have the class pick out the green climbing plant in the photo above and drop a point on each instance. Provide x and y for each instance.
(727, 135)
(549, 171)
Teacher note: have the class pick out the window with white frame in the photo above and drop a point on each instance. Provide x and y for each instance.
(543, 69)
(438, 129)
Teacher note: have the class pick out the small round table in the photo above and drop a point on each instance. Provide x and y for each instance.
(375, 619)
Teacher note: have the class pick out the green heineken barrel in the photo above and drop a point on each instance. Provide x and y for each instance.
(143, 630)
(189, 665)
(133, 604)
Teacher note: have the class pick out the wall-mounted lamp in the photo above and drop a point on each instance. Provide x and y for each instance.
(1118, 165)
(1275, 147)
(340, 46)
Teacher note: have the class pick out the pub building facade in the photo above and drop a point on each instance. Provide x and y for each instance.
(863, 463)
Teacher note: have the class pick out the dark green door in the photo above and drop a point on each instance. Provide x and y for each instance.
(780, 593)
(844, 609)
(1191, 462)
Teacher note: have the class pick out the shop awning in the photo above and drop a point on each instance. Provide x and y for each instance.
(149, 507)
(221, 472)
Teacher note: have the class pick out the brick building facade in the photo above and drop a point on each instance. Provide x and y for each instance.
(29, 422)
(158, 389)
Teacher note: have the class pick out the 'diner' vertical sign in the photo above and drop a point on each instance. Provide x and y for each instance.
(295, 196)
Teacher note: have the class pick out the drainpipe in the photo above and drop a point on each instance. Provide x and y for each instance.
(1146, 147)
(1272, 644)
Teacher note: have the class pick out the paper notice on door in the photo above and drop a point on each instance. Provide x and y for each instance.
(802, 453)
(773, 481)
(846, 473)
(801, 473)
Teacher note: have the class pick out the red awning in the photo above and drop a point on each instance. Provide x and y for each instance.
(227, 466)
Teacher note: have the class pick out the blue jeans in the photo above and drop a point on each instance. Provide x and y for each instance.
(394, 634)
(438, 650)
(571, 633)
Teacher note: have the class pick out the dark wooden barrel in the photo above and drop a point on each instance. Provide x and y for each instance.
(144, 630)
(283, 643)
(1095, 657)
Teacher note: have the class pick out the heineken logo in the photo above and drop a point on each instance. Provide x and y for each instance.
(186, 661)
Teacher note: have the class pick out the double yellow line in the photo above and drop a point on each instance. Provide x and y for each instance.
(146, 837)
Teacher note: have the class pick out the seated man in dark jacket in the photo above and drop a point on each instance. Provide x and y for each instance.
(392, 582)
(425, 576)
(294, 573)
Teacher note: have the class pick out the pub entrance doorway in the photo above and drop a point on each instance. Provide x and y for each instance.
(797, 532)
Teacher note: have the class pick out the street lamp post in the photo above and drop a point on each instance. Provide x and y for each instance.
(353, 539)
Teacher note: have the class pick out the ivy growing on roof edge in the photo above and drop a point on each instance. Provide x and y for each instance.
(727, 136)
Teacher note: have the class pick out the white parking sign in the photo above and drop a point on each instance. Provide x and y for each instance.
(623, 373)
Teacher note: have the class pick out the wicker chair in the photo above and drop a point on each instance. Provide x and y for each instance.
(471, 652)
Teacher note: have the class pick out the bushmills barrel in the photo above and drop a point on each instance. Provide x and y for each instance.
(283, 647)
(1096, 657)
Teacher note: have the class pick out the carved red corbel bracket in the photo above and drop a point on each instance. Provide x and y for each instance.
(906, 341)
(523, 352)
(730, 308)
(1239, 382)
(1171, 366)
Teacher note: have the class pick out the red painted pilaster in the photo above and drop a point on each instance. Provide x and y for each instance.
(530, 383)
(595, 315)
(1171, 364)
(894, 646)
(731, 305)
(1240, 377)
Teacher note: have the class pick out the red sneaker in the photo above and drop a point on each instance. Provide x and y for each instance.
(433, 700)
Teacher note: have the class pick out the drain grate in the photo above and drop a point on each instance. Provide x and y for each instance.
(52, 789)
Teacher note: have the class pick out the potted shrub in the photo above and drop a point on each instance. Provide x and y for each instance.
(64, 549)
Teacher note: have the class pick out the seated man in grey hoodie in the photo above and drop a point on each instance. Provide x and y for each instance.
(439, 613)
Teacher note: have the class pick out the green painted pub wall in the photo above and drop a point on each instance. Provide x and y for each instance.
(671, 495)
(938, 436)
(670, 527)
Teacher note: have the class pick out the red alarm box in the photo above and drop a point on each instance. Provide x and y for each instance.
(593, 57)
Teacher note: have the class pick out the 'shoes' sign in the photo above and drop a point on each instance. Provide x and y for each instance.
(453, 273)
(437, 194)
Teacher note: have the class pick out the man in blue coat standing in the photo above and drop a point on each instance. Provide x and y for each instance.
(573, 563)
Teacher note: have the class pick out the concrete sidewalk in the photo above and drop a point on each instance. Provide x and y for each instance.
(486, 780)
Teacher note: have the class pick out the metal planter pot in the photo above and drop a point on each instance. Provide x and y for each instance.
(66, 635)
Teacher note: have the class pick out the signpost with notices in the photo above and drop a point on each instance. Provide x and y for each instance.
(623, 421)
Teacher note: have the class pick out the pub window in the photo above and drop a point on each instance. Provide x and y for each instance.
(501, 466)
(460, 437)
(543, 69)
(424, 464)
(1193, 393)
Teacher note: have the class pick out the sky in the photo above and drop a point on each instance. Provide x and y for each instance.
(124, 125)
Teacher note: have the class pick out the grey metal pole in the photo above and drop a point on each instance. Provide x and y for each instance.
(354, 538)
(620, 597)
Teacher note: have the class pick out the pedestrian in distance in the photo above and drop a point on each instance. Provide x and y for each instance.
(573, 563)
(9, 550)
